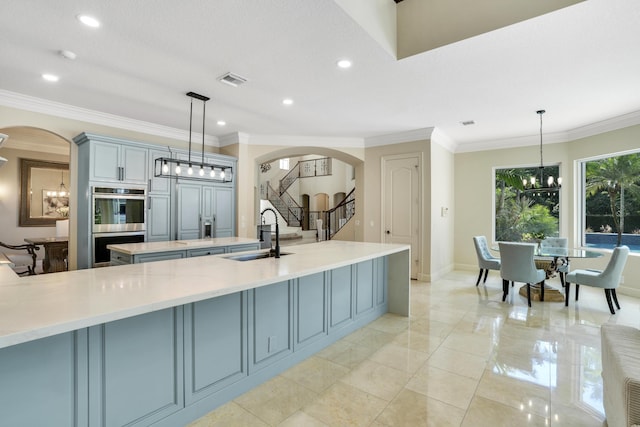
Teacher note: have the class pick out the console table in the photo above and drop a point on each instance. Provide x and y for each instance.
(55, 252)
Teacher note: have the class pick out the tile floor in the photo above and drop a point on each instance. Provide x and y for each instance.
(463, 358)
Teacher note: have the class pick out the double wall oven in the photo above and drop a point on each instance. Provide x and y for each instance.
(119, 216)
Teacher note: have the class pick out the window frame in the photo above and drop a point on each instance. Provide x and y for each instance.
(523, 166)
(580, 194)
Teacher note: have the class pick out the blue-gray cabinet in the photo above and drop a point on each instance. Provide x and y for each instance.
(192, 200)
(121, 163)
(171, 366)
(215, 344)
(158, 217)
(270, 324)
(108, 161)
(310, 309)
(135, 372)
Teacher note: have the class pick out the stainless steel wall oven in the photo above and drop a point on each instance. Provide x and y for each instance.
(119, 216)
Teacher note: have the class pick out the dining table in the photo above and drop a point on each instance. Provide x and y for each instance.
(55, 252)
(556, 257)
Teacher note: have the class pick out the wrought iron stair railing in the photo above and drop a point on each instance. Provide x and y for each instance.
(306, 169)
(286, 207)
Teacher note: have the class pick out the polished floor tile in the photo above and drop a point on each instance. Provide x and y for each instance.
(463, 358)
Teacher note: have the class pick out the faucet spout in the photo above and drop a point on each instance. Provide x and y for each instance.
(277, 250)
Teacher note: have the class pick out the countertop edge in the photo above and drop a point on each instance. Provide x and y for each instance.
(17, 335)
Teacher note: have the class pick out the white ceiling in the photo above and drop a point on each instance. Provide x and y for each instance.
(581, 64)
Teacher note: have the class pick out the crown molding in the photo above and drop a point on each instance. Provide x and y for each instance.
(443, 140)
(597, 128)
(398, 138)
(306, 141)
(57, 109)
(608, 125)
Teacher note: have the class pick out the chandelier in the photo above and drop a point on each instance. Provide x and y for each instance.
(62, 190)
(169, 167)
(539, 184)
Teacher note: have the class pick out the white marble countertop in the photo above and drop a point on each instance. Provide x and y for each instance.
(35, 307)
(179, 245)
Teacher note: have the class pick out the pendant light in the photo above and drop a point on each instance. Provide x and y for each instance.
(62, 189)
(539, 184)
(169, 167)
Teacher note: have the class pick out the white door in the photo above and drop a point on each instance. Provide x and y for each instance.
(401, 201)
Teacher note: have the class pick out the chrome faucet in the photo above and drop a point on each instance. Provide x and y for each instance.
(277, 251)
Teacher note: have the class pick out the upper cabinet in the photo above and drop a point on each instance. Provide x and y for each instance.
(113, 160)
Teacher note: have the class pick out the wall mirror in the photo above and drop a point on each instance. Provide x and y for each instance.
(44, 192)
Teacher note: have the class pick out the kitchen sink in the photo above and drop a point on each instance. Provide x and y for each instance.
(255, 255)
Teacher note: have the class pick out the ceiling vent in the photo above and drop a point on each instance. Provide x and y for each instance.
(232, 79)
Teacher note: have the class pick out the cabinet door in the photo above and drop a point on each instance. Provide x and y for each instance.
(105, 161)
(189, 203)
(215, 349)
(158, 185)
(224, 212)
(134, 164)
(158, 218)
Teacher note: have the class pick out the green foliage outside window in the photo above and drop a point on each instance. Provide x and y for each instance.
(612, 194)
(523, 214)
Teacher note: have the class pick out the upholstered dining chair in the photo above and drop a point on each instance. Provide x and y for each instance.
(486, 261)
(562, 266)
(608, 279)
(517, 265)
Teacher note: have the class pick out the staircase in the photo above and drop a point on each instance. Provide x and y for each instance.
(286, 207)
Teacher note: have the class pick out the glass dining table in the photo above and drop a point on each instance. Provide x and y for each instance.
(552, 260)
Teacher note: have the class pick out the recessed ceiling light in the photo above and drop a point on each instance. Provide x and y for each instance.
(344, 63)
(50, 77)
(221, 123)
(89, 21)
(287, 101)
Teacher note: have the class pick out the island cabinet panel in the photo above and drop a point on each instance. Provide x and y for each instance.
(136, 369)
(366, 287)
(270, 324)
(243, 248)
(215, 344)
(380, 268)
(340, 297)
(206, 251)
(39, 381)
(310, 310)
(160, 256)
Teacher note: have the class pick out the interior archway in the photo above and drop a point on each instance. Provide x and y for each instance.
(29, 142)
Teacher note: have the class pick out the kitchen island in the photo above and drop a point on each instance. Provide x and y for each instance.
(134, 253)
(164, 343)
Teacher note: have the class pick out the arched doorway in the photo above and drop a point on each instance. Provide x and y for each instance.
(38, 147)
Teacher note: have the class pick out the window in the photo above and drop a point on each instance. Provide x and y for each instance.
(611, 201)
(525, 214)
(284, 164)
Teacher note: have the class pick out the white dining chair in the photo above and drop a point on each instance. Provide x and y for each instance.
(608, 279)
(561, 264)
(486, 261)
(517, 265)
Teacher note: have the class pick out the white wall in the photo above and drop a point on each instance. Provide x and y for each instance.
(442, 208)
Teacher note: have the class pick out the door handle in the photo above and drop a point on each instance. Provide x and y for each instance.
(388, 232)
